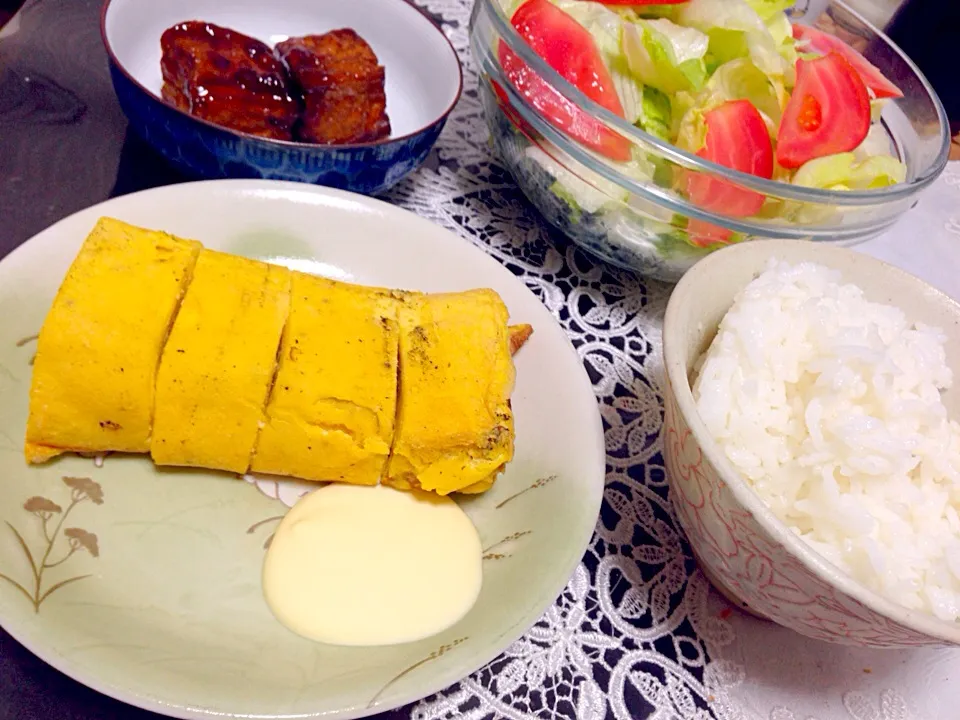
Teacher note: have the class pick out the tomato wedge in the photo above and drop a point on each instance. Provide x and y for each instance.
(828, 112)
(703, 234)
(822, 43)
(736, 138)
(570, 50)
(504, 102)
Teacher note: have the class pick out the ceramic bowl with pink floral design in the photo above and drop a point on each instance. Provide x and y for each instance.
(749, 554)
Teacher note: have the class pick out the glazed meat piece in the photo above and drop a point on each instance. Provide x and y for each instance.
(227, 78)
(343, 88)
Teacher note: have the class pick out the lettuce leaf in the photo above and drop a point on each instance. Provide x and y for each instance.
(630, 93)
(782, 32)
(843, 171)
(735, 80)
(632, 13)
(655, 113)
(768, 9)
(664, 55)
(587, 191)
(876, 108)
(509, 6)
(735, 30)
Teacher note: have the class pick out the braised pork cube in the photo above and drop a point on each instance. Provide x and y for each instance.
(342, 83)
(227, 78)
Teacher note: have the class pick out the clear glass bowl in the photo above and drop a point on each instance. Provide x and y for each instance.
(642, 225)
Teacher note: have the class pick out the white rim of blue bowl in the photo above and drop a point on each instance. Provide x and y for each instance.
(115, 61)
(920, 622)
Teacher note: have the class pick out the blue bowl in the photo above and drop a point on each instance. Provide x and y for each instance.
(423, 83)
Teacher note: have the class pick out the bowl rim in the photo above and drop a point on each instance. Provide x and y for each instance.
(294, 144)
(570, 92)
(921, 622)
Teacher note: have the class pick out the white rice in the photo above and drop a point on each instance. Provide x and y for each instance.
(830, 406)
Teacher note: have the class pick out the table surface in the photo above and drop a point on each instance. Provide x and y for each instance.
(64, 146)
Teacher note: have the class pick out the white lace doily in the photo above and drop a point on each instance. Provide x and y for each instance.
(638, 633)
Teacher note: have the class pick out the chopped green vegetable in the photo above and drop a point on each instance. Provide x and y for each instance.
(631, 96)
(735, 80)
(843, 171)
(876, 108)
(655, 113)
(578, 193)
(769, 9)
(782, 32)
(664, 55)
(735, 30)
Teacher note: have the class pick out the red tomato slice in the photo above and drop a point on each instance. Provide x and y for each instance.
(570, 50)
(704, 234)
(504, 102)
(736, 138)
(828, 112)
(823, 43)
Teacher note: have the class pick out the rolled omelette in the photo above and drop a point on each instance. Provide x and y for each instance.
(120, 368)
(455, 424)
(97, 355)
(331, 413)
(218, 365)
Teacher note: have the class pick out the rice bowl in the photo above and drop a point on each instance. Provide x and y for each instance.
(744, 547)
(829, 405)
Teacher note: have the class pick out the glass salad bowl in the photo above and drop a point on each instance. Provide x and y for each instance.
(615, 177)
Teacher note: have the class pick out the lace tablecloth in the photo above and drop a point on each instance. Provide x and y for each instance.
(638, 633)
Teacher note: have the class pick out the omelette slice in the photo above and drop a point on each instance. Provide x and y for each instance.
(331, 412)
(98, 351)
(219, 362)
(454, 425)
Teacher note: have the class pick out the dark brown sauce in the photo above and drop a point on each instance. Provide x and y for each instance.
(325, 89)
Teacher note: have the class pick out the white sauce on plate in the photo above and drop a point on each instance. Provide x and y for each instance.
(354, 565)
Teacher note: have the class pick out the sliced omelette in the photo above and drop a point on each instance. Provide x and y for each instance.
(218, 364)
(99, 348)
(331, 411)
(454, 424)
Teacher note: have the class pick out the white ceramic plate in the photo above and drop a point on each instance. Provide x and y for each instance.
(157, 601)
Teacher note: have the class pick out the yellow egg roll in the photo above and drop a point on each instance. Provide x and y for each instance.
(455, 424)
(218, 364)
(331, 411)
(99, 348)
